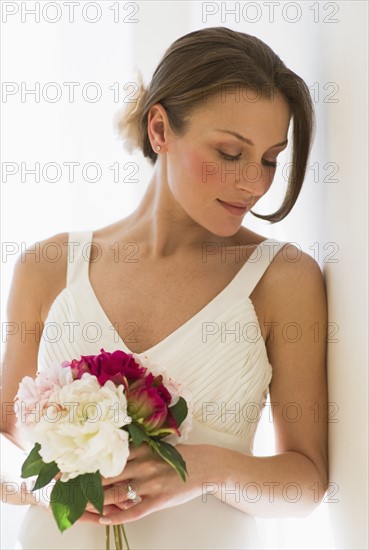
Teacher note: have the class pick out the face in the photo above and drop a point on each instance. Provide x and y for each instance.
(225, 162)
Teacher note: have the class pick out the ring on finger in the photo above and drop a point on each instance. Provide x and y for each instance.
(132, 494)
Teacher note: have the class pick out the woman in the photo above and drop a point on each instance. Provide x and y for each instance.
(226, 311)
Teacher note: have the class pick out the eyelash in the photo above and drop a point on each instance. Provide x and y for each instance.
(234, 159)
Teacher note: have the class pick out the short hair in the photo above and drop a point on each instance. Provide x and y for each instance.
(204, 62)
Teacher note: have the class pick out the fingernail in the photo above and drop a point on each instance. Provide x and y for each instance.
(127, 504)
(105, 520)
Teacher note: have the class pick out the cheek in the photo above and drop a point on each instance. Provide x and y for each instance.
(192, 164)
(202, 174)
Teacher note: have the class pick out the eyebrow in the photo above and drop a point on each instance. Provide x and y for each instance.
(246, 140)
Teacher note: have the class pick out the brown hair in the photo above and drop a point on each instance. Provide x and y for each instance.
(200, 64)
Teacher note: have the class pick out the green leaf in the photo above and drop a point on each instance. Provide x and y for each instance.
(33, 464)
(47, 473)
(68, 503)
(92, 489)
(171, 456)
(138, 435)
(179, 411)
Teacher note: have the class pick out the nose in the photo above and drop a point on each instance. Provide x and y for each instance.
(254, 179)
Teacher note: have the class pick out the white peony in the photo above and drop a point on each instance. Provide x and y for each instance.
(80, 428)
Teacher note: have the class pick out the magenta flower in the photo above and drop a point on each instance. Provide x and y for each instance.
(148, 402)
(118, 366)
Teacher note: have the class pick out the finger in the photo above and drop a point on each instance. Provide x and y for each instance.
(130, 470)
(91, 508)
(134, 452)
(142, 468)
(119, 493)
(132, 513)
(128, 503)
(133, 464)
(123, 491)
(121, 478)
(88, 517)
(143, 449)
(106, 507)
(91, 517)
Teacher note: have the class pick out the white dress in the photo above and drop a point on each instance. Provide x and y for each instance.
(219, 354)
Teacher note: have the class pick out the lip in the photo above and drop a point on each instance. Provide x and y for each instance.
(236, 208)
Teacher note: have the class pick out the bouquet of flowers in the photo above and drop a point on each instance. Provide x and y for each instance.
(82, 415)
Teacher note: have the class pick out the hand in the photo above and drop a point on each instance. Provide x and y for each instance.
(158, 485)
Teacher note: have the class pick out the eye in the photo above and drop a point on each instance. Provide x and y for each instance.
(272, 164)
(229, 157)
(269, 163)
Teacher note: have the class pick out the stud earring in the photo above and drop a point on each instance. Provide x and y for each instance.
(158, 147)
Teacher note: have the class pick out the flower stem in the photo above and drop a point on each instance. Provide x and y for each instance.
(125, 536)
(117, 537)
(120, 537)
(118, 530)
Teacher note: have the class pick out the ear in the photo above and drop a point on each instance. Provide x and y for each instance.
(157, 126)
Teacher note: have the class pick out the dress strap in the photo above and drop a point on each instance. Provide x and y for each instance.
(79, 251)
(259, 262)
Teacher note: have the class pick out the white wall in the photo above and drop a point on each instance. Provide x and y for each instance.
(345, 58)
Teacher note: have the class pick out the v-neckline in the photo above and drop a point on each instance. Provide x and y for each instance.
(185, 323)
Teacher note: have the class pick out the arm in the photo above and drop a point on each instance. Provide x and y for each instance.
(298, 471)
(298, 393)
(34, 285)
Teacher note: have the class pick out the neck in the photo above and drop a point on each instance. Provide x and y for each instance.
(161, 226)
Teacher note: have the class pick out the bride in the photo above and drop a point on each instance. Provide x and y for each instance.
(226, 311)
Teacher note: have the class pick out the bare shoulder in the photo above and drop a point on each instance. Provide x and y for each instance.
(41, 271)
(290, 268)
(296, 300)
(44, 254)
(294, 273)
(292, 284)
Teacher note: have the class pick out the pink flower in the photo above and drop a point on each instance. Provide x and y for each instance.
(33, 395)
(118, 366)
(78, 368)
(148, 401)
(176, 390)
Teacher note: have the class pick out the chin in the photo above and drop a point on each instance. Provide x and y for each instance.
(225, 230)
